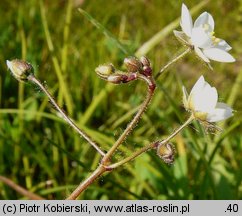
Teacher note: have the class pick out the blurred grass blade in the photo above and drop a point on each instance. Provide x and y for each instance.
(158, 37)
(66, 34)
(236, 89)
(95, 102)
(105, 31)
(70, 156)
(62, 84)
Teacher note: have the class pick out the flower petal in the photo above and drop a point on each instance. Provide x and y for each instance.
(185, 97)
(218, 55)
(186, 20)
(221, 112)
(206, 99)
(200, 38)
(222, 44)
(182, 37)
(198, 86)
(205, 18)
(201, 55)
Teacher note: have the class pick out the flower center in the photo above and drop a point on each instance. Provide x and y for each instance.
(207, 29)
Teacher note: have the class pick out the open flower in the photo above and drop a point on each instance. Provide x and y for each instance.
(203, 103)
(200, 36)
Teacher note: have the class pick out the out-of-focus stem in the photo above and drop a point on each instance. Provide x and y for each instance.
(20, 189)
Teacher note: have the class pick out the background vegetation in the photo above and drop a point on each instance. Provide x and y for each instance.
(41, 153)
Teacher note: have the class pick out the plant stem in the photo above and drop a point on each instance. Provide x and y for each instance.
(150, 146)
(99, 171)
(20, 189)
(106, 159)
(34, 80)
(172, 61)
(102, 168)
(189, 120)
(131, 125)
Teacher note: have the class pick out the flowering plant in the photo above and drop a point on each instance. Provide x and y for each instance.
(202, 102)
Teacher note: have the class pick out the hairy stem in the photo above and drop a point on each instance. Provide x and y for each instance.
(150, 146)
(99, 171)
(172, 61)
(34, 80)
(103, 167)
(131, 125)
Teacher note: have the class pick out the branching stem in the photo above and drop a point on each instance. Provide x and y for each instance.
(151, 146)
(102, 169)
(131, 125)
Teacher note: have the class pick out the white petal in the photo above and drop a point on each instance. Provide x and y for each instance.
(200, 54)
(181, 36)
(222, 44)
(206, 99)
(221, 112)
(186, 20)
(218, 55)
(198, 86)
(9, 65)
(205, 18)
(185, 97)
(200, 38)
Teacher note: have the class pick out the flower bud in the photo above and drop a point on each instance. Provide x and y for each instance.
(147, 71)
(104, 71)
(117, 78)
(145, 61)
(166, 152)
(133, 64)
(20, 69)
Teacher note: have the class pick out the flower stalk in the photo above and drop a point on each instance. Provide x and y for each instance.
(151, 88)
(151, 145)
(34, 80)
(172, 62)
(102, 168)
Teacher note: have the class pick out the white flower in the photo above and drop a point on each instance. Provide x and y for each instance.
(200, 36)
(203, 103)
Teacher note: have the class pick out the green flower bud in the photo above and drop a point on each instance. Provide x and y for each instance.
(104, 71)
(133, 64)
(166, 152)
(20, 69)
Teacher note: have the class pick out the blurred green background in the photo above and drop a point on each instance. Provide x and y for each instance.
(41, 153)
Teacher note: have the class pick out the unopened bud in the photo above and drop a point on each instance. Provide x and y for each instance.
(104, 71)
(117, 78)
(166, 152)
(20, 69)
(133, 64)
(147, 71)
(145, 61)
